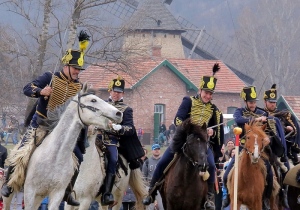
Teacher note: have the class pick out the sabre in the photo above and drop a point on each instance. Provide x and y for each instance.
(288, 135)
(219, 124)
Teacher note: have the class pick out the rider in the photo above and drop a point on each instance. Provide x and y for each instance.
(242, 116)
(53, 90)
(200, 109)
(123, 135)
(289, 122)
(291, 129)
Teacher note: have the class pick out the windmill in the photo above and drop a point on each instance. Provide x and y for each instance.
(197, 42)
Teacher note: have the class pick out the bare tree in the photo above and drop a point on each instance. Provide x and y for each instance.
(269, 34)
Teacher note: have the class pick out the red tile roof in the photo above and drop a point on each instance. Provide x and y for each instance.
(100, 76)
(294, 103)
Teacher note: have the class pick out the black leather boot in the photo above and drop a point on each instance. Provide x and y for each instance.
(68, 196)
(283, 195)
(150, 197)
(226, 201)
(7, 190)
(210, 202)
(107, 197)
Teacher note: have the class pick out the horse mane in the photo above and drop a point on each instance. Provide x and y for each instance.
(182, 132)
(256, 127)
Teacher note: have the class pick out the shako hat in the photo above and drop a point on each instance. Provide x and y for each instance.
(117, 85)
(271, 95)
(75, 58)
(208, 83)
(249, 94)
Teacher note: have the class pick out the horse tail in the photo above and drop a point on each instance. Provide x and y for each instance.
(19, 158)
(138, 187)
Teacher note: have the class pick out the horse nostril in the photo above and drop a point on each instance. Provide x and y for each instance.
(119, 114)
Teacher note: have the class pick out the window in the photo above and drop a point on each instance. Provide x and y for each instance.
(231, 109)
(160, 109)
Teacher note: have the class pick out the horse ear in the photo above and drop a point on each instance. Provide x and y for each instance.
(264, 127)
(266, 141)
(247, 127)
(84, 87)
(204, 126)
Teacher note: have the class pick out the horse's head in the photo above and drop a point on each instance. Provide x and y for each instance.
(195, 146)
(256, 140)
(94, 111)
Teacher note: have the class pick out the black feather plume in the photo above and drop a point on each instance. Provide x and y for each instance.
(83, 36)
(215, 68)
(273, 86)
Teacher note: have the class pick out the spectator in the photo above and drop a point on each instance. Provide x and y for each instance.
(3, 155)
(3, 119)
(12, 130)
(162, 135)
(148, 169)
(129, 200)
(228, 147)
(172, 128)
(140, 134)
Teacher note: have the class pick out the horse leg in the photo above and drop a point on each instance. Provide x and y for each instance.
(55, 199)
(32, 201)
(7, 201)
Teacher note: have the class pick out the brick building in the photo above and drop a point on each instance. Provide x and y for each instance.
(155, 88)
(159, 76)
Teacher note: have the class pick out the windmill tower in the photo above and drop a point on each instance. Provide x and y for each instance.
(197, 43)
(154, 31)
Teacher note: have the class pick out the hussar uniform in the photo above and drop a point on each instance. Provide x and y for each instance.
(62, 90)
(200, 113)
(242, 116)
(123, 140)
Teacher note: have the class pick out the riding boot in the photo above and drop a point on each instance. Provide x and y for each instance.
(68, 196)
(151, 196)
(7, 190)
(210, 202)
(283, 195)
(226, 201)
(107, 197)
(266, 204)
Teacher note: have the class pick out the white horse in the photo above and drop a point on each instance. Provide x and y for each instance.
(88, 184)
(51, 166)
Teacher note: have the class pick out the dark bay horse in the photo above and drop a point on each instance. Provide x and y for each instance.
(252, 170)
(184, 187)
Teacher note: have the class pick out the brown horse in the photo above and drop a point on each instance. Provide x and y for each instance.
(252, 170)
(183, 187)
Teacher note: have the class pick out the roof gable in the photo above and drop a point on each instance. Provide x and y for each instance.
(189, 71)
(292, 103)
(166, 63)
(153, 15)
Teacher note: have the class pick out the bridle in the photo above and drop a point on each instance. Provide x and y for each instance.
(255, 145)
(81, 106)
(194, 163)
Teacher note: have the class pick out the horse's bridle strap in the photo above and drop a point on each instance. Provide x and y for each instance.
(81, 105)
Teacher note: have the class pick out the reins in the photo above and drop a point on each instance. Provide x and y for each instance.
(81, 105)
(194, 163)
(246, 150)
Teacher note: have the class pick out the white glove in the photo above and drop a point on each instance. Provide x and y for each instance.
(116, 127)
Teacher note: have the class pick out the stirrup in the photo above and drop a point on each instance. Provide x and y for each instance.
(209, 205)
(107, 199)
(148, 200)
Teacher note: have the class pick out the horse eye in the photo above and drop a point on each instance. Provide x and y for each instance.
(93, 100)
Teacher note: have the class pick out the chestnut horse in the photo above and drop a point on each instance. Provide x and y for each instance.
(183, 187)
(252, 170)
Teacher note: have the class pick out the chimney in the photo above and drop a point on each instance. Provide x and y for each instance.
(156, 51)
